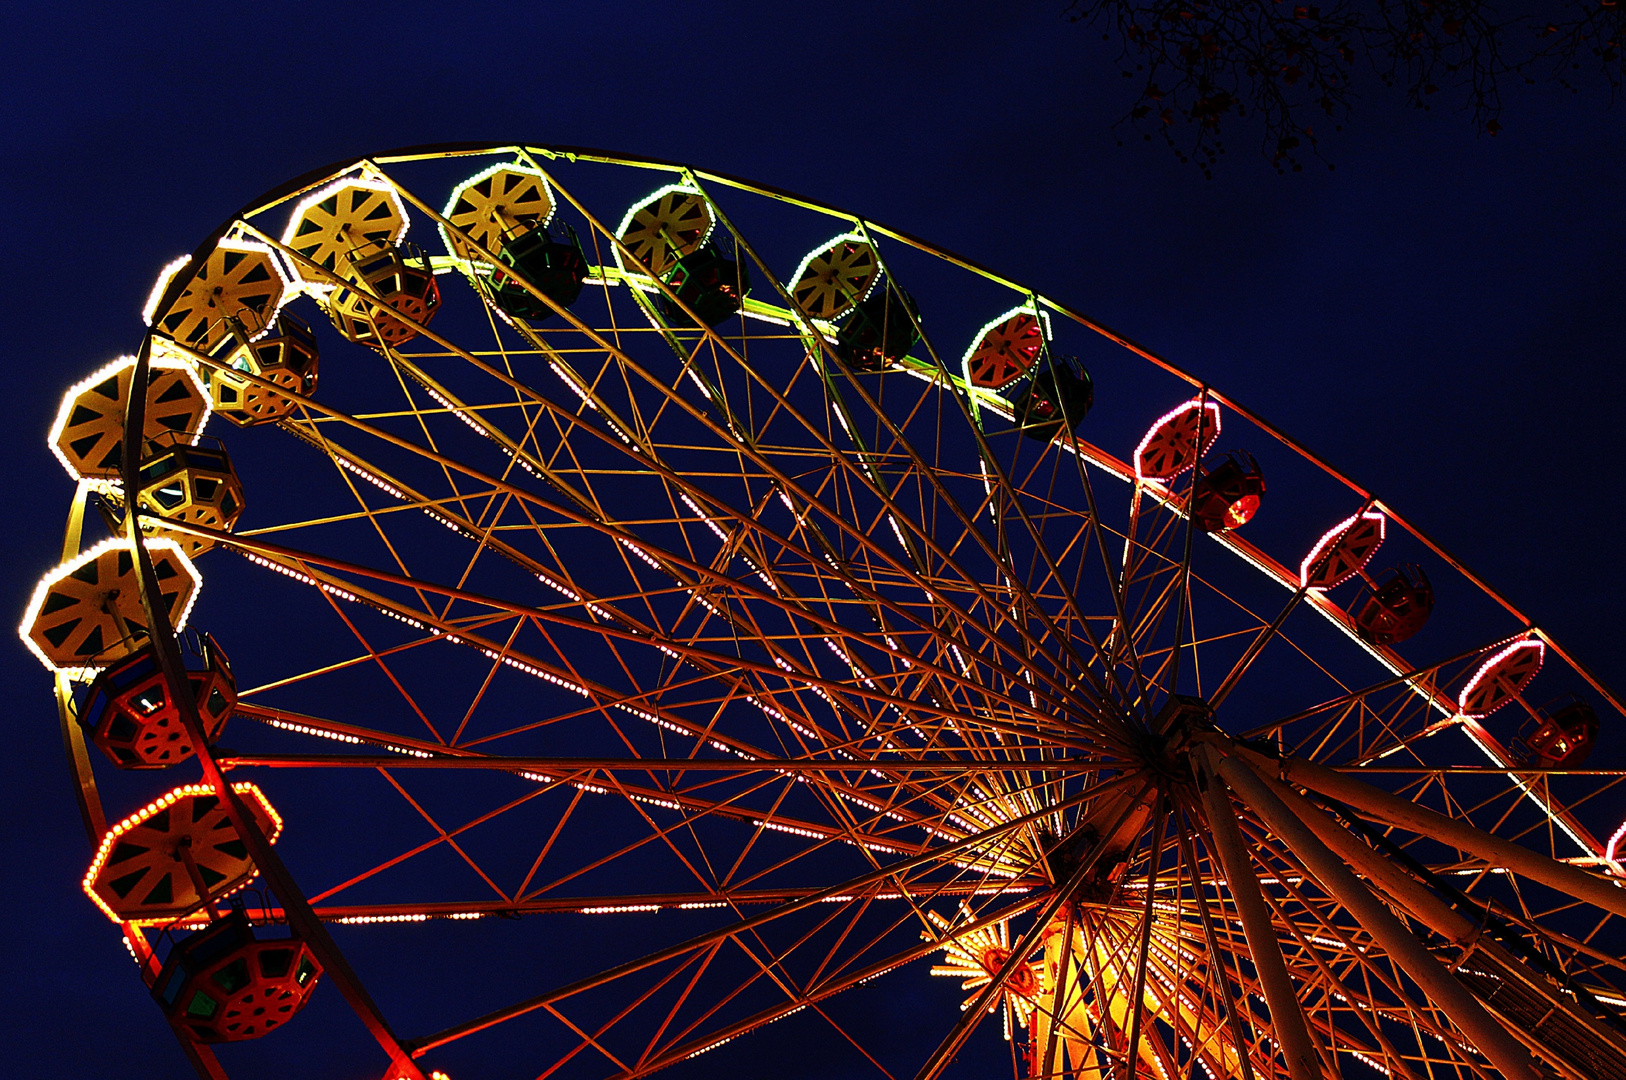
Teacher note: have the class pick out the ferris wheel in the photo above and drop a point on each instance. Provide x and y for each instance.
(677, 613)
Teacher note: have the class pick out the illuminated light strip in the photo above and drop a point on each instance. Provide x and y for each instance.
(695, 905)
(638, 551)
(1528, 789)
(892, 521)
(654, 718)
(794, 830)
(765, 1023)
(334, 590)
(874, 808)
(992, 871)
(1613, 845)
(763, 316)
(304, 729)
(365, 920)
(615, 909)
(531, 669)
(36, 602)
(701, 514)
(1140, 451)
(472, 424)
(581, 392)
(667, 804)
(349, 466)
(164, 802)
(1364, 1060)
(563, 590)
(777, 715)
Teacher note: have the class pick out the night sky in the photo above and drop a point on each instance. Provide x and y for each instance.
(1440, 317)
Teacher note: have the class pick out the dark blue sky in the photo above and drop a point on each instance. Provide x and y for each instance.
(1441, 317)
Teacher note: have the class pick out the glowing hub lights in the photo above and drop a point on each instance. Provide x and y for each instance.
(976, 956)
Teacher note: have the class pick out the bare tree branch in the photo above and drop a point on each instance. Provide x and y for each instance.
(1205, 67)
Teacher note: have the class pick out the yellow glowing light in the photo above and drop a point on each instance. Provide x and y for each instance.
(37, 601)
(164, 802)
(976, 956)
(653, 197)
(396, 234)
(829, 248)
(485, 174)
(285, 292)
(164, 358)
(165, 276)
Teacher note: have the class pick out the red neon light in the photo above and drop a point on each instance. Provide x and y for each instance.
(1504, 689)
(1325, 547)
(1241, 512)
(1614, 842)
(1210, 427)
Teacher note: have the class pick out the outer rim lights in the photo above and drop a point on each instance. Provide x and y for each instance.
(163, 802)
(37, 600)
(658, 194)
(1333, 535)
(1211, 429)
(1488, 667)
(163, 358)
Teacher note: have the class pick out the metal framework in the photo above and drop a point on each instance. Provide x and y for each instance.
(763, 675)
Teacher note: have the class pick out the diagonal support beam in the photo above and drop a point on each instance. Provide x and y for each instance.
(1511, 1059)
(1292, 1033)
(1408, 815)
(301, 919)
